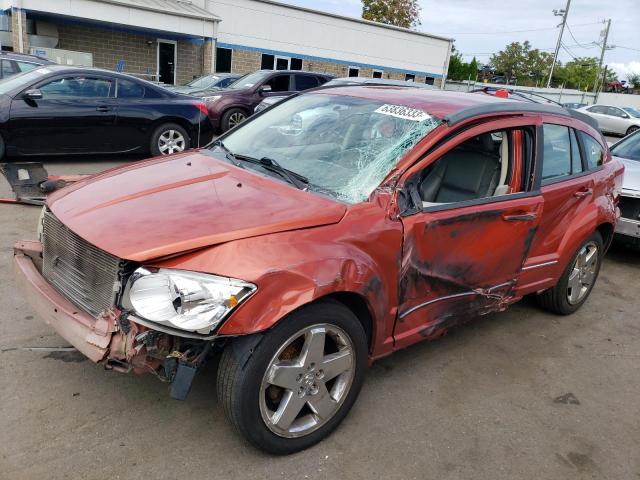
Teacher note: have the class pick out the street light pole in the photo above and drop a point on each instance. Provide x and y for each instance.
(604, 48)
(565, 14)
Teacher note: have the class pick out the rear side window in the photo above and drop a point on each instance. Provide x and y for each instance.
(9, 68)
(593, 151)
(322, 80)
(598, 109)
(26, 66)
(305, 82)
(129, 89)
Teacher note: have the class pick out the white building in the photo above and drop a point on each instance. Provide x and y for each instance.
(176, 40)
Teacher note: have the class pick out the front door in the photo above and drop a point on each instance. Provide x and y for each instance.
(465, 248)
(76, 114)
(167, 62)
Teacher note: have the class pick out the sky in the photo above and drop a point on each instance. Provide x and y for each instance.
(482, 27)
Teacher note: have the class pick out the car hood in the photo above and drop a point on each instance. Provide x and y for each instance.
(631, 174)
(162, 207)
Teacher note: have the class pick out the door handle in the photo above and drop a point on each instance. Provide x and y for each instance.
(520, 217)
(585, 192)
(103, 108)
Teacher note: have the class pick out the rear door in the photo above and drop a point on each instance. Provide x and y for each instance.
(305, 82)
(76, 114)
(619, 120)
(568, 189)
(462, 259)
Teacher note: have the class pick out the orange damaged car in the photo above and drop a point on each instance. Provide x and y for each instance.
(328, 231)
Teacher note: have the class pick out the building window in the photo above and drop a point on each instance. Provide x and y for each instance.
(31, 27)
(223, 60)
(354, 72)
(429, 80)
(5, 22)
(377, 74)
(267, 61)
(296, 64)
(409, 77)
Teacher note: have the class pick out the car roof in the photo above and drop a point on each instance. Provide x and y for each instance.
(26, 57)
(328, 75)
(379, 81)
(452, 107)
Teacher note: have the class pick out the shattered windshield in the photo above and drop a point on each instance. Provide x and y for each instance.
(345, 146)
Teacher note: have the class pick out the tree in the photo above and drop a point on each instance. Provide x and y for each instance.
(401, 13)
(460, 70)
(511, 62)
(634, 79)
(579, 73)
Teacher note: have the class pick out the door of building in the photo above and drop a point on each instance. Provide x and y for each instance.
(167, 62)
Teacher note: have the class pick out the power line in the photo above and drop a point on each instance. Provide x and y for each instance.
(513, 31)
(628, 48)
(591, 45)
(564, 47)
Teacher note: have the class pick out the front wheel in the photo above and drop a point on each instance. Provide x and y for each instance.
(290, 388)
(169, 138)
(578, 279)
(232, 118)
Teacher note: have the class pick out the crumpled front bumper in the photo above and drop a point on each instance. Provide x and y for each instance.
(89, 335)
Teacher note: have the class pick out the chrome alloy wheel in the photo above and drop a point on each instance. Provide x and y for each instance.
(236, 119)
(583, 274)
(307, 380)
(171, 141)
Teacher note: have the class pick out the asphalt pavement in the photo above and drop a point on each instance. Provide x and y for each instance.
(516, 395)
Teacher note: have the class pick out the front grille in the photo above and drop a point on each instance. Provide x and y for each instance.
(630, 207)
(86, 275)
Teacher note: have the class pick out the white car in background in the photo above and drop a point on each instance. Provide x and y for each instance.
(615, 120)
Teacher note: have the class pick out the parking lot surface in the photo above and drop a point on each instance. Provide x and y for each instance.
(520, 394)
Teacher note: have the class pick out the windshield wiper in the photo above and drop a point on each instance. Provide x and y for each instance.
(267, 163)
(228, 153)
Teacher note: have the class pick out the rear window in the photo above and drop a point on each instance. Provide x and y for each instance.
(129, 89)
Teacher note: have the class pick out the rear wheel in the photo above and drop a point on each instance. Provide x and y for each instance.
(169, 138)
(632, 129)
(578, 279)
(291, 388)
(232, 118)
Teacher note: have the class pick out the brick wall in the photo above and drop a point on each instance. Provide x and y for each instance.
(244, 61)
(138, 51)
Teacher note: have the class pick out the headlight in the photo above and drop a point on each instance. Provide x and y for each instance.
(186, 300)
(211, 99)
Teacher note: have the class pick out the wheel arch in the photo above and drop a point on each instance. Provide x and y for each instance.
(607, 231)
(190, 129)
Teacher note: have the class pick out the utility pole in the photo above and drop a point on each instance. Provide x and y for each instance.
(604, 48)
(565, 14)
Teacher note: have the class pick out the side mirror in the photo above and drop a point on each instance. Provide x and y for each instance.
(264, 89)
(34, 94)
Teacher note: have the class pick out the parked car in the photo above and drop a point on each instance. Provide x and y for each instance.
(206, 85)
(345, 81)
(376, 82)
(15, 63)
(627, 151)
(509, 93)
(303, 254)
(574, 106)
(233, 106)
(60, 110)
(614, 120)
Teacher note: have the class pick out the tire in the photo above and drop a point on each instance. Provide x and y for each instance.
(2, 148)
(632, 129)
(232, 118)
(169, 138)
(250, 400)
(559, 299)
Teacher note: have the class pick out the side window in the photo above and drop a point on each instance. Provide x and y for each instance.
(597, 109)
(305, 82)
(480, 167)
(557, 152)
(77, 87)
(9, 68)
(322, 80)
(129, 89)
(593, 151)
(26, 66)
(576, 158)
(279, 83)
